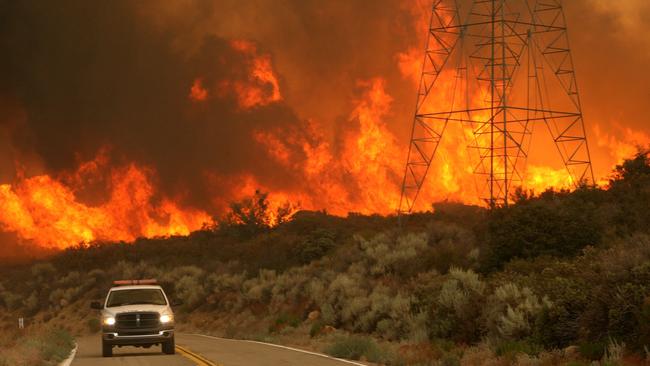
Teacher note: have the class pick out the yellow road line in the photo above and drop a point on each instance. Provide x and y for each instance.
(195, 357)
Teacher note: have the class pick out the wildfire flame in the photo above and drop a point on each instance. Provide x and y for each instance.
(262, 86)
(360, 169)
(198, 92)
(46, 210)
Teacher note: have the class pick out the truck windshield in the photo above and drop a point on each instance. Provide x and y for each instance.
(135, 296)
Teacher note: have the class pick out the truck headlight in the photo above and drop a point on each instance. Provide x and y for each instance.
(109, 321)
(166, 318)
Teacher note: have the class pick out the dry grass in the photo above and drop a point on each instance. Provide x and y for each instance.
(36, 346)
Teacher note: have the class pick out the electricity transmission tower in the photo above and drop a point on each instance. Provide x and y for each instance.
(498, 68)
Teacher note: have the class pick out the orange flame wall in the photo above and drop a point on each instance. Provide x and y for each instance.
(313, 104)
(45, 210)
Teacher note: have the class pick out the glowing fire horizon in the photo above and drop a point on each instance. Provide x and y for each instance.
(162, 140)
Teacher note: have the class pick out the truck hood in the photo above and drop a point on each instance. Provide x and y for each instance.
(112, 311)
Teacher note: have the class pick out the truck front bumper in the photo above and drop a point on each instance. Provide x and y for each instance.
(155, 336)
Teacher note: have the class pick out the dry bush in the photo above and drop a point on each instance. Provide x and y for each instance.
(43, 272)
(191, 290)
(315, 289)
(290, 288)
(386, 311)
(386, 256)
(451, 245)
(418, 327)
(141, 269)
(40, 346)
(523, 359)
(355, 347)
(31, 304)
(511, 312)
(11, 301)
(479, 355)
(259, 288)
(347, 296)
(458, 306)
(225, 290)
(614, 353)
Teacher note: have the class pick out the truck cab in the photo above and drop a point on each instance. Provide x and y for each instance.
(136, 313)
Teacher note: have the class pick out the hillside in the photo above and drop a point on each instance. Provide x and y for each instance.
(555, 278)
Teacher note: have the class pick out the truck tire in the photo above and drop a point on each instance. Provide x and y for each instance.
(107, 350)
(169, 347)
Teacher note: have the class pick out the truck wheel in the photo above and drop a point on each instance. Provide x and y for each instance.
(169, 347)
(107, 350)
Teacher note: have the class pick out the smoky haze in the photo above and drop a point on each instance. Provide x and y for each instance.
(77, 77)
(89, 75)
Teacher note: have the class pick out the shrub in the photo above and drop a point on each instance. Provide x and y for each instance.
(511, 312)
(47, 346)
(347, 297)
(317, 244)
(57, 345)
(387, 313)
(260, 288)
(354, 347)
(458, 307)
(451, 245)
(614, 352)
(512, 348)
(552, 224)
(187, 284)
(31, 304)
(478, 355)
(11, 300)
(289, 288)
(449, 359)
(316, 328)
(283, 320)
(191, 291)
(224, 290)
(328, 314)
(418, 327)
(630, 194)
(43, 272)
(592, 350)
(386, 256)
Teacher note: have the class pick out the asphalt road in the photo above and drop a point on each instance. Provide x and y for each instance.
(222, 352)
(89, 353)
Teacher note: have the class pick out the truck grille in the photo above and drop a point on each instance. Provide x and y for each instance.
(137, 320)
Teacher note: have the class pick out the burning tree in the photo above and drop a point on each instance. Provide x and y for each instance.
(255, 213)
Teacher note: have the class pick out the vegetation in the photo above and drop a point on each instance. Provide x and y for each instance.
(555, 278)
(354, 347)
(39, 347)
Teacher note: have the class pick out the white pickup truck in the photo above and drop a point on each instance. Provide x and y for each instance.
(136, 313)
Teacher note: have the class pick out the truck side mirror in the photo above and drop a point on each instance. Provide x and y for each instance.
(96, 305)
(177, 302)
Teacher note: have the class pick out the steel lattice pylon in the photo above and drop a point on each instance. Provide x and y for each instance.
(498, 68)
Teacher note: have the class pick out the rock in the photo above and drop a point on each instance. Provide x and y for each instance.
(328, 329)
(313, 315)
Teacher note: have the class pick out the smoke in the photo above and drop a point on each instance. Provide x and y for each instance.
(91, 75)
(118, 74)
(611, 48)
(217, 97)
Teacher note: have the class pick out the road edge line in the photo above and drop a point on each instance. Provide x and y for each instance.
(283, 347)
(71, 356)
